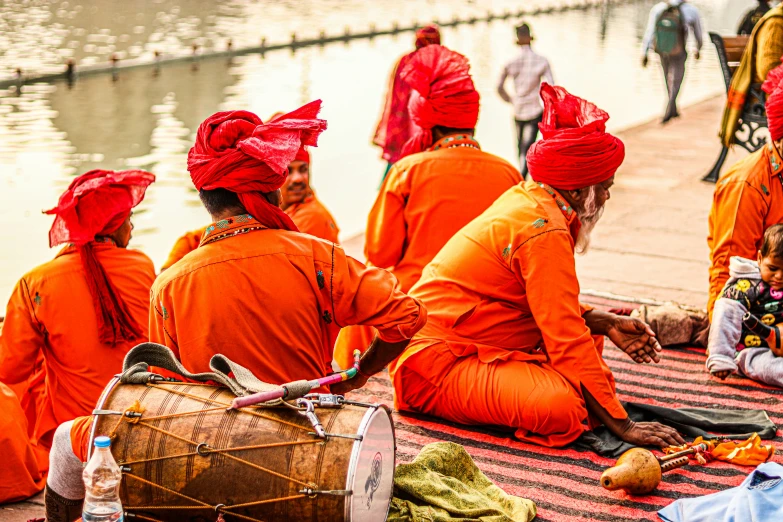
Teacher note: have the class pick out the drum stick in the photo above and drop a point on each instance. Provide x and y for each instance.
(283, 391)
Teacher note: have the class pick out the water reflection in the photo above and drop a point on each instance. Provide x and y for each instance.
(48, 133)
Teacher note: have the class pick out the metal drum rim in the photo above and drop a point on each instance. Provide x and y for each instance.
(372, 409)
(101, 403)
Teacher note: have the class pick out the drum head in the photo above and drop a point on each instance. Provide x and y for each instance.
(371, 472)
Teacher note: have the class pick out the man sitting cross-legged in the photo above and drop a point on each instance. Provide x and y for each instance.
(257, 291)
(507, 342)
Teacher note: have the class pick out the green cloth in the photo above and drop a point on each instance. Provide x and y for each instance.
(443, 484)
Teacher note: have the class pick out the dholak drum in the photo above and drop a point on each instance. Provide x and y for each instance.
(184, 456)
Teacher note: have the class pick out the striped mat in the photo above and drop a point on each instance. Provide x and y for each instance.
(564, 483)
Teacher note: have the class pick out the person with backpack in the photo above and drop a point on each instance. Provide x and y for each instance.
(667, 33)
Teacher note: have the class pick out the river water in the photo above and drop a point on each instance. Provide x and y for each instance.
(52, 132)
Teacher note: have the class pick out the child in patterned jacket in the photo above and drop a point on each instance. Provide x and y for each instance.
(755, 287)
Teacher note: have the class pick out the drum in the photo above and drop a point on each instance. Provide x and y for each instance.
(184, 456)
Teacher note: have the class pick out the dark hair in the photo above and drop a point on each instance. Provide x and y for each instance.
(523, 30)
(218, 201)
(451, 130)
(773, 241)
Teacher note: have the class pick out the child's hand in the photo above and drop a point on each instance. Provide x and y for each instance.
(722, 374)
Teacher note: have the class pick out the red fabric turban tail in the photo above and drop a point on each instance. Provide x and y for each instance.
(238, 152)
(773, 86)
(576, 151)
(443, 94)
(96, 204)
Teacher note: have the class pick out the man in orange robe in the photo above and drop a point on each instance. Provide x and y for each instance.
(299, 202)
(20, 476)
(749, 198)
(507, 342)
(84, 309)
(257, 290)
(422, 202)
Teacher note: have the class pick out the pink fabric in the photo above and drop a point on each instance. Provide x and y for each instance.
(395, 128)
(773, 86)
(98, 203)
(443, 94)
(236, 151)
(576, 151)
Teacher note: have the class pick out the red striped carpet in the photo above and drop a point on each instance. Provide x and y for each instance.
(564, 483)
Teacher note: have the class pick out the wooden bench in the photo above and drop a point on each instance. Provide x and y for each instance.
(754, 115)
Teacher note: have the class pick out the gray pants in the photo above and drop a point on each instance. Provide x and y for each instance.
(527, 134)
(673, 73)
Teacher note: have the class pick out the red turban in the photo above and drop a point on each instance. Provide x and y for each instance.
(236, 151)
(443, 94)
(98, 203)
(427, 35)
(576, 151)
(773, 86)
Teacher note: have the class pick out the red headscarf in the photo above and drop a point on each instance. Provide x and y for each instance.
(427, 35)
(576, 151)
(98, 203)
(302, 154)
(443, 94)
(236, 151)
(773, 86)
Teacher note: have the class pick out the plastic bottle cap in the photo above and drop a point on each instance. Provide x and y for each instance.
(102, 442)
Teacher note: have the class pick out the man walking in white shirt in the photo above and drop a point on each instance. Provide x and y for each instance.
(667, 32)
(527, 70)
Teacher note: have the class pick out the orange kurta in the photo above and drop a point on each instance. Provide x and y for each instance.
(184, 246)
(19, 474)
(273, 301)
(747, 201)
(51, 311)
(425, 199)
(312, 217)
(506, 342)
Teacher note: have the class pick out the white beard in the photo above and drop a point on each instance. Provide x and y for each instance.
(589, 216)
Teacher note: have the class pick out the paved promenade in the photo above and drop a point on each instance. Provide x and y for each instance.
(651, 242)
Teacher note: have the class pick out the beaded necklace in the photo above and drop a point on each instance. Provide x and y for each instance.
(456, 140)
(562, 205)
(231, 227)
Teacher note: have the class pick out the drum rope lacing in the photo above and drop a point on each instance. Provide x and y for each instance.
(134, 415)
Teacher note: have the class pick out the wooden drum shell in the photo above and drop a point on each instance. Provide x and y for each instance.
(219, 478)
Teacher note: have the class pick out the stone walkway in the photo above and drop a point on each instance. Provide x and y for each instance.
(651, 242)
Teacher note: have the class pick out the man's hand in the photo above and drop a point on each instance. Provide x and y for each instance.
(635, 338)
(651, 434)
(341, 388)
(645, 61)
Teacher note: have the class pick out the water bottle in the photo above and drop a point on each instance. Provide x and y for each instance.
(102, 485)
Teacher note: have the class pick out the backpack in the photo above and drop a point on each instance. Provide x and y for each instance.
(670, 32)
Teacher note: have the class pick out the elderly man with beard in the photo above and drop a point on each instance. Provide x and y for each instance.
(507, 341)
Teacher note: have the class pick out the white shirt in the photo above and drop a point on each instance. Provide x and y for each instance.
(690, 17)
(528, 69)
